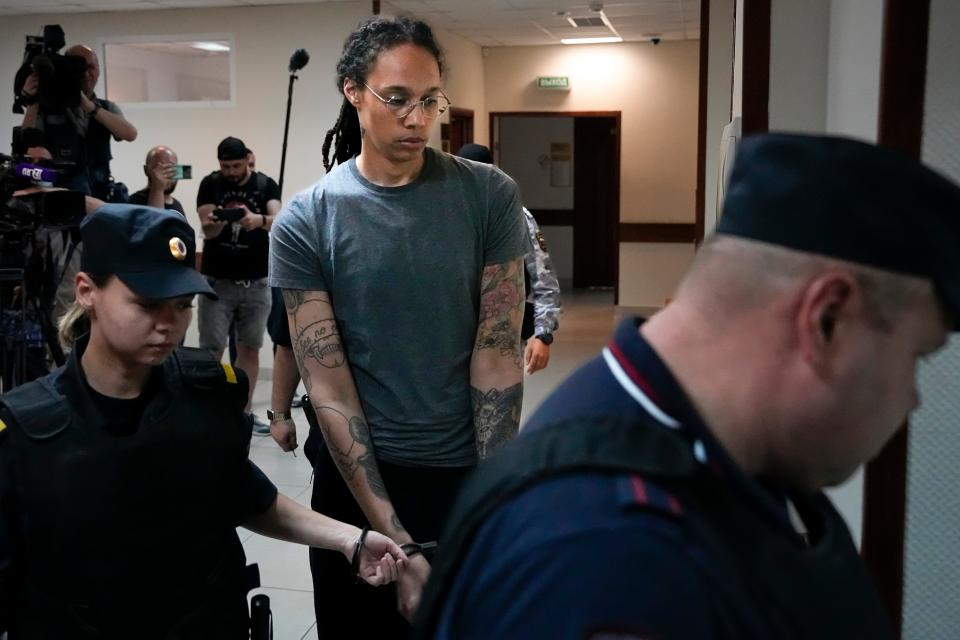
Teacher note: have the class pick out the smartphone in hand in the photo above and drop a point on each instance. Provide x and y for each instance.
(229, 215)
(182, 172)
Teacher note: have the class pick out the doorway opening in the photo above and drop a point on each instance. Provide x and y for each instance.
(459, 131)
(567, 165)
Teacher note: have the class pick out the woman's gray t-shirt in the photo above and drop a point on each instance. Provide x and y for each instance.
(402, 266)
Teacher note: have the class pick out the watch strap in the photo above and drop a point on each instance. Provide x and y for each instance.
(278, 416)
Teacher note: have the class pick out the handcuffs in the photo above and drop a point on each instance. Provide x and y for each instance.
(410, 549)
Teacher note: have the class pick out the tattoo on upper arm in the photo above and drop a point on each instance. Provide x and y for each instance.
(501, 310)
(360, 443)
(496, 416)
(313, 331)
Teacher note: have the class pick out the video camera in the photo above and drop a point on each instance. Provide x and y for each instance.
(60, 77)
(24, 204)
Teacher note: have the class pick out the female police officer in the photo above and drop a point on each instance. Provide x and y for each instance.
(124, 473)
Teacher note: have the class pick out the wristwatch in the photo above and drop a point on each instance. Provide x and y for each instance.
(545, 338)
(278, 416)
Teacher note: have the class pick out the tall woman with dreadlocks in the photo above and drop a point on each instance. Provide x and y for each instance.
(403, 282)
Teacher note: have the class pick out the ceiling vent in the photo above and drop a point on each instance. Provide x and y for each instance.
(587, 22)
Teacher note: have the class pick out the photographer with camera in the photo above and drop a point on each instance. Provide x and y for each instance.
(160, 168)
(237, 207)
(80, 133)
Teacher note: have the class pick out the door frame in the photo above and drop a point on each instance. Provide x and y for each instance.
(563, 219)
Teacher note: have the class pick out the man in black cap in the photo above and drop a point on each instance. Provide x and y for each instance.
(237, 207)
(671, 488)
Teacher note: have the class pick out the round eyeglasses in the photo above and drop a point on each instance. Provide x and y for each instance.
(401, 106)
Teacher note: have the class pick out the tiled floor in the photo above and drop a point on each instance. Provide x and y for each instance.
(586, 323)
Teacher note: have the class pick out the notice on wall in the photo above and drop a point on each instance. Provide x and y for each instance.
(561, 168)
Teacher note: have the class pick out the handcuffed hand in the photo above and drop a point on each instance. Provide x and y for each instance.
(381, 560)
(410, 586)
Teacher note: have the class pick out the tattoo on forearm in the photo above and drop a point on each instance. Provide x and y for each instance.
(359, 455)
(328, 418)
(496, 416)
(361, 435)
(396, 524)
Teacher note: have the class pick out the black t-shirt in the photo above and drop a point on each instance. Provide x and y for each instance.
(141, 197)
(121, 415)
(237, 254)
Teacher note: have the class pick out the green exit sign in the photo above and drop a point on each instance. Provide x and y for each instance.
(553, 82)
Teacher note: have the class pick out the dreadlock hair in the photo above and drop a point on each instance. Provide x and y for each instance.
(360, 51)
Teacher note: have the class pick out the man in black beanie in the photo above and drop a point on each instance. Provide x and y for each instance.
(672, 487)
(237, 207)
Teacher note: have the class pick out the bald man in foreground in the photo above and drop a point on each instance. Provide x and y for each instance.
(80, 134)
(672, 487)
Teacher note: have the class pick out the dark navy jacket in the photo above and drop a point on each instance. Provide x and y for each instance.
(614, 555)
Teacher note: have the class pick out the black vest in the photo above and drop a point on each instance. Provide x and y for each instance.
(817, 592)
(123, 537)
(98, 156)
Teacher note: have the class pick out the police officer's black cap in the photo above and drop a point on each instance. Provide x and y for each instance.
(151, 250)
(231, 148)
(847, 200)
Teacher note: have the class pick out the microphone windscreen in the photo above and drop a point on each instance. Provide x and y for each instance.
(299, 59)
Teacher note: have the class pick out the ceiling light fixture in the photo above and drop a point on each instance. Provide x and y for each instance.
(211, 46)
(605, 40)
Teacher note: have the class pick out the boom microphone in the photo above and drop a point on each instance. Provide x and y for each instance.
(299, 60)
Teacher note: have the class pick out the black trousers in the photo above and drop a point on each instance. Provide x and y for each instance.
(422, 497)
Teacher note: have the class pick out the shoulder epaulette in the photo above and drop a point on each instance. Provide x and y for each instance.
(37, 409)
(199, 368)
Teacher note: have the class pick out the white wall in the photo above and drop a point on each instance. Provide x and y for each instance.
(737, 91)
(524, 144)
(650, 272)
(853, 80)
(464, 82)
(799, 41)
(719, 99)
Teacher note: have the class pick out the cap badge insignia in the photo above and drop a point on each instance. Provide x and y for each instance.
(178, 248)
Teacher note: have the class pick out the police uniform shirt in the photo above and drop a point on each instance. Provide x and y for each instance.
(595, 555)
(544, 288)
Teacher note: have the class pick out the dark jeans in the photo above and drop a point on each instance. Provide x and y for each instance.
(422, 497)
